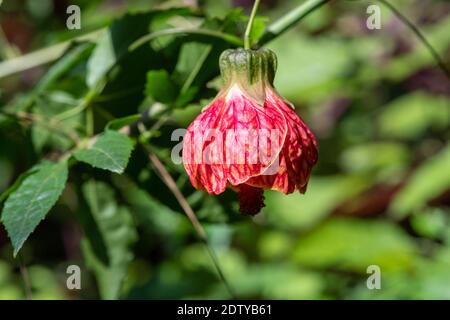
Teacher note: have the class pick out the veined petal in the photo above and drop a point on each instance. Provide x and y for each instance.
(298, 156)
(233, 140)
(300, 148)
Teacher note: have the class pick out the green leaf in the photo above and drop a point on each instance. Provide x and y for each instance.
(431, 222)
(111, 151)
(188, 59)
(117, 232)
(387, 160)
(323, 61)
(49, 105)
(197, 61)
(148, 209)
(430, 180)
(160, 87)
(350, 244)
(409, 116)
(18, 182)
(191, 62)
(29, 204)
(217, 8)
(68, 62)
(113, 45)
(73, 58)
(323, 196)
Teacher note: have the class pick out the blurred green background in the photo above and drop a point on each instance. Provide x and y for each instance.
(380, 194)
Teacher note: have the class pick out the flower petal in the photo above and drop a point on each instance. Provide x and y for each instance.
(298, 156)
(233, 140)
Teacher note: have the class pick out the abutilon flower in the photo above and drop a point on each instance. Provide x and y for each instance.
(249, 138)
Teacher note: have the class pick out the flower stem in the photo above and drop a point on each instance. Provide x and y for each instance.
(248, 30)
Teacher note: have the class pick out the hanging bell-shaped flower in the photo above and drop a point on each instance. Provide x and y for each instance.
(249, 138)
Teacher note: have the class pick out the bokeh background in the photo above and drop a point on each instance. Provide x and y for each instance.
(380, 194)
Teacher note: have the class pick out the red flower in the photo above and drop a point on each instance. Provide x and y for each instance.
(249, 138)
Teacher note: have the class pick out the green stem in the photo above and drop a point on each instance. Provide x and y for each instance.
(190, 80)
(85, 103)
(232, 39)
(90, 121)
(25, 278)
(289, 20)
(419, 35)
(248, 30)
(48, 123)
(41, 56)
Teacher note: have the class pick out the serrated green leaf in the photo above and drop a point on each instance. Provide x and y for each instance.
(430, 180)
(49, 105)
(117, 233)
(110, 152)
(18, 182)
(32, 200)
(160, 87)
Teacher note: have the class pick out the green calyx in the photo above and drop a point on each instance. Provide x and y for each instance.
(248, 65)
(252, 70)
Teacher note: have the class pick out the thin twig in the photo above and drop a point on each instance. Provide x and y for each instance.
(170, 183)
(25, 278)
(45, 122)
(420, 35)
(299, 13)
